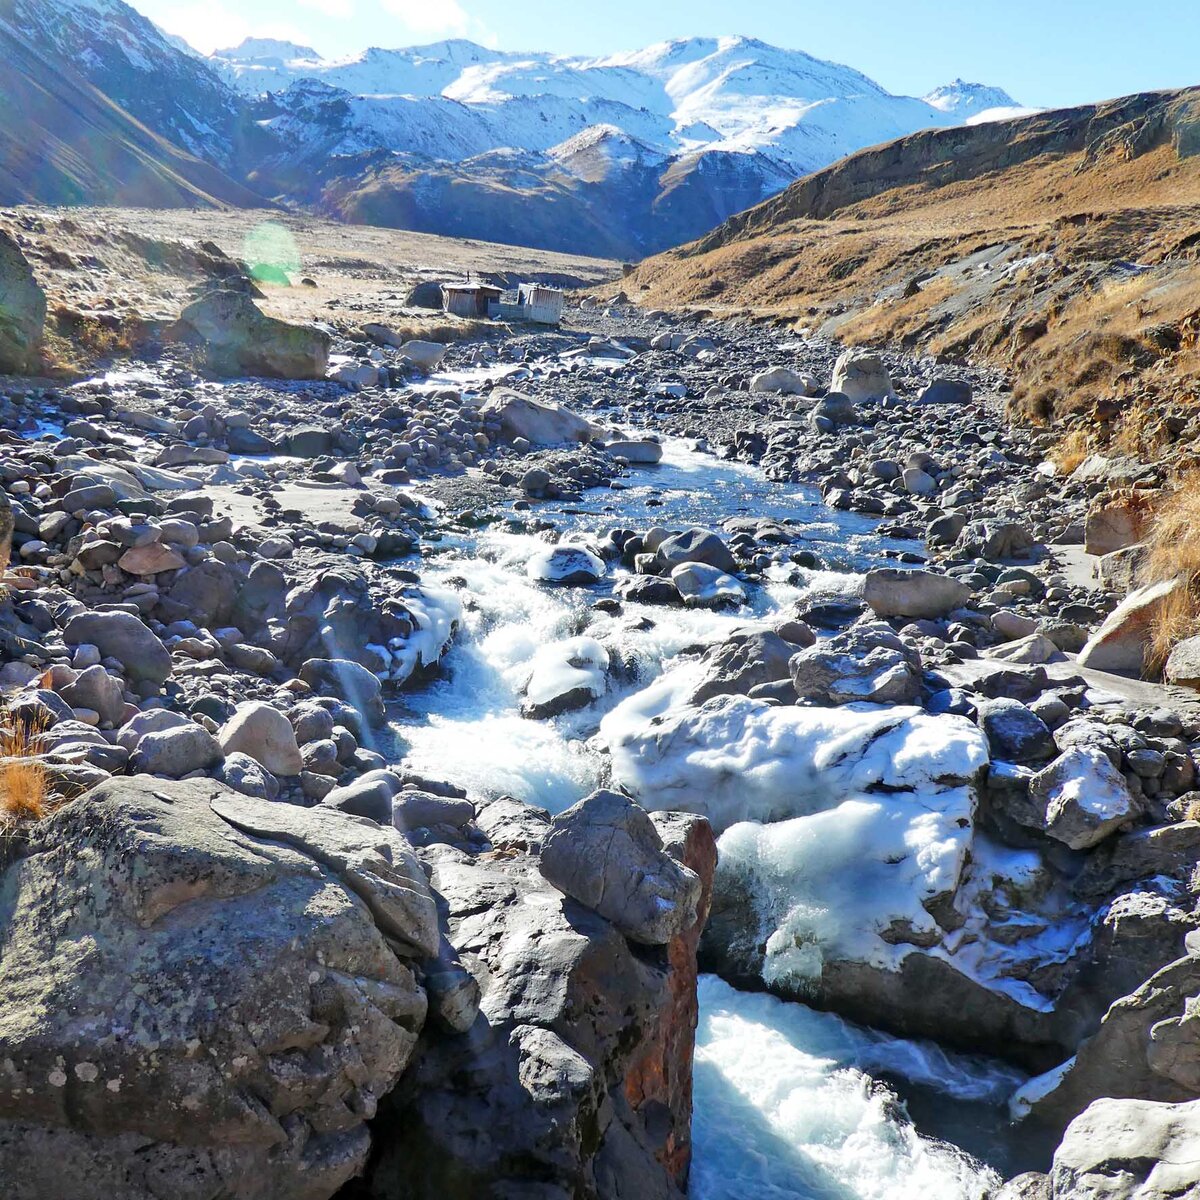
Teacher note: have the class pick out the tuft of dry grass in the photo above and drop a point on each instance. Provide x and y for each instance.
(1174, 543)
(1071, 451)
(24, 779)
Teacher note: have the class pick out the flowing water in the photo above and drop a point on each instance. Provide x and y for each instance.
(789, 1101)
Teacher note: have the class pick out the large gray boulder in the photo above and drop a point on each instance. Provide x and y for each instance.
(122, 636)
(1130, 1150)
(868, 663)
(895, 592)
(176, 752)
(574, 1078)
(606, 853)
(22, 310)
(537, 421)
(861, 376)
(697, 546)
(240, 339)
(188, 1009)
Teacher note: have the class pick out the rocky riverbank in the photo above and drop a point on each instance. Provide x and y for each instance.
(253, 944)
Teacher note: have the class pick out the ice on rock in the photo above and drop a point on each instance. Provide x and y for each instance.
(735, 759)
(833, 884)
(437, 613)
(566, 564)
(566, 675)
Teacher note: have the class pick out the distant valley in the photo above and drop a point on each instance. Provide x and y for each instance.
(620, 156)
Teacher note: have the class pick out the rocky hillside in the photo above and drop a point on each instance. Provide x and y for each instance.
(1062, 246)
(75, 142)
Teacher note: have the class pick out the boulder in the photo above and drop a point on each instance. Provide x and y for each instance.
(175, 752)
(832, 410)
(566, 565)
(537, 421)
(262, 732)
(861, 377)
(566, 676)
(744, 661)
(426, 355)
(1118, 521)
(238, 1012)
(946, 391)
(696, 546)
(702, 586)
(1084, 797)
(894, 592)
(96, 689)
(642, 453)
(867, 663)
(606, 853)
(1129, 1150)
(348, 681)
(574, 1076)
(783, 381)
(22, 310)
(1014, 732)
(1183, 663)
(995, 539)
(122, 636)
(1121, 642)
(242, 340)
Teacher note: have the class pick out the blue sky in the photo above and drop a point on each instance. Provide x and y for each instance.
(1044, 52)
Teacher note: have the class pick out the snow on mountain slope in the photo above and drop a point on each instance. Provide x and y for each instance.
(131, 61)
(733, 94)
(965, 100)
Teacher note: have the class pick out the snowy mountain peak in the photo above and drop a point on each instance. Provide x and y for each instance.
(966, 99)
(268, 50)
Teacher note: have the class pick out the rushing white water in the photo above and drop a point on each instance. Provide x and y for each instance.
(785, 1106)
(786, 1102)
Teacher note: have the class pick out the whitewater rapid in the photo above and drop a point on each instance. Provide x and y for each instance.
(789, 1102)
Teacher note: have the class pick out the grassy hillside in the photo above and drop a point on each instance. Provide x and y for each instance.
(1064, 246)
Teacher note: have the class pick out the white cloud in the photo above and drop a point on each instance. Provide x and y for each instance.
(209, 25)
(342, 9)
(431, 18)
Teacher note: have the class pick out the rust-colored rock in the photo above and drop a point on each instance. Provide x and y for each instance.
(663, 1073)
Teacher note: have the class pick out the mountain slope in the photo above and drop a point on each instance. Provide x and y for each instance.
(128, 58)
(72, 144)
(499, 145)
(1064, 245)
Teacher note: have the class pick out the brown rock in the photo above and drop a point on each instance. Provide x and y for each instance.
(150, 560)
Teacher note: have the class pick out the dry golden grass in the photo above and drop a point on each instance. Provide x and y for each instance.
(1174, 544)
(1071, 450)
(24, 779)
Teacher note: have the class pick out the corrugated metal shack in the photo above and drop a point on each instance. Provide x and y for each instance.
(526, 302)
(470, 299)
(530, 302)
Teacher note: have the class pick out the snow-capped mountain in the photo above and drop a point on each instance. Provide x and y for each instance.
(733, 94)
(130, 60)
(965, 100)
(623, 155)
(736, 118)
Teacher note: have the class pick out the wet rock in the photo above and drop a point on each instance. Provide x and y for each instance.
(567, 565)
(1014, 732)
(606, 853)
(566, 676)
(702, 586)
(696, 546)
